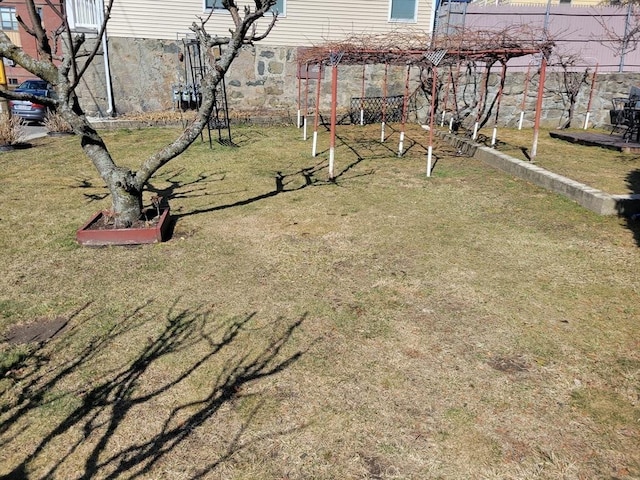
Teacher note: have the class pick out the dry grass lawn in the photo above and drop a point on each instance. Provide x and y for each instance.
(385, 326)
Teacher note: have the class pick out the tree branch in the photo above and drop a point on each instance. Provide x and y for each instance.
(42, 68)
(214, 74)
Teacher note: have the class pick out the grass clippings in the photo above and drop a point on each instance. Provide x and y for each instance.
(385, 325)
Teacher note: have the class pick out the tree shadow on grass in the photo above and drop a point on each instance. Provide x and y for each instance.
(96, 433)
(284, 183)
(176, 188)
(630, 211)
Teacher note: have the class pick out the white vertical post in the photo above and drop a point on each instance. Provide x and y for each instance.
(521, 119)
(314, 149)
(332, 155)
(429, 153)
(401, 144)
(442, 119)
(382, 134)
(451, 125)
(586, 120)
(298, 123)
(304, 128)
(475, 131)
(361, 117)
(493, 137)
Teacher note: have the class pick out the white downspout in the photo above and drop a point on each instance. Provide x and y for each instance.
(107, 68)
(432, 21)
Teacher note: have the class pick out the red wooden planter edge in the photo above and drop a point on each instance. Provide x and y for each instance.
(123, 236)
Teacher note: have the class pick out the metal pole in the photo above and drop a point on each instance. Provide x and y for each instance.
(625, 39)
(384, 103)
(362, 97)
(299, 124)
(306, 102)
(334, 110)
(107, 69)
(434, 77)
(316, 113)
(536, 123)
(547, 13)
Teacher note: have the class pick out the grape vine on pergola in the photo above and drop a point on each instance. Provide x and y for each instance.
(410, 50)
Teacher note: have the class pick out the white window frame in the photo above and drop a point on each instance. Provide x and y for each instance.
(84, 14)
(404, 20)
(11, 11)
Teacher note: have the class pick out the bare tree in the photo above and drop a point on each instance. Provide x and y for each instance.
(571, 79)
(64, 68)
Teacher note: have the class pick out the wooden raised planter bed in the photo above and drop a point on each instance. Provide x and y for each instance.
(95, 233)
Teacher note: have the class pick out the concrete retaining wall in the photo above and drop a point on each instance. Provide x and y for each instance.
(593, 199)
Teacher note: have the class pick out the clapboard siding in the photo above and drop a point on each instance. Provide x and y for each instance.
(306, 22)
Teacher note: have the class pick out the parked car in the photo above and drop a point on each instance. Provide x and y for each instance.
(33, 112)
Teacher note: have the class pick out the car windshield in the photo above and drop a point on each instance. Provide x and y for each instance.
(33, 85)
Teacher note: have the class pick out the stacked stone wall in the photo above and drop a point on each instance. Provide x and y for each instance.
(262, 83)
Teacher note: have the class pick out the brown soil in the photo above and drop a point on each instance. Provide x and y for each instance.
(149, 219)
(38, 331)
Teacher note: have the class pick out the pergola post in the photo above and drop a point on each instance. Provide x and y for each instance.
(306, 102)
(334, 60)
(299, 122)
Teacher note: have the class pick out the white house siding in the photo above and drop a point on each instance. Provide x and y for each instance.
(306, 23)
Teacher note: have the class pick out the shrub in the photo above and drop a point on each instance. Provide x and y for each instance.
(55, 123)
(11, 130)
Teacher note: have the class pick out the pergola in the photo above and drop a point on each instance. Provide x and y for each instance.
(410, 50)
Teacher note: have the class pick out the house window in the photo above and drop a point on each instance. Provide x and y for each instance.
(403, 10)
(8, 18)
(84, 14)
(215, 4)
(279, 7)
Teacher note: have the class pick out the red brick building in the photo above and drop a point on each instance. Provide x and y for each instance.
(9, 11)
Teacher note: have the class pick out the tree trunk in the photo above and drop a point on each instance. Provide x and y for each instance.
(126, 199)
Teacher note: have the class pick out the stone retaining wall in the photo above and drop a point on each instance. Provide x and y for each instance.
(262, 82)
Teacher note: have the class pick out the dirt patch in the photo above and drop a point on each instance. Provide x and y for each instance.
(36, 332)
(509, 364)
